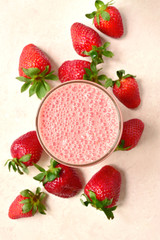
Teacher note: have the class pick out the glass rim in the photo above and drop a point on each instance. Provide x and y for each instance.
(119, 117)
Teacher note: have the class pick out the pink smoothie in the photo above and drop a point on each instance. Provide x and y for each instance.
(79, 123)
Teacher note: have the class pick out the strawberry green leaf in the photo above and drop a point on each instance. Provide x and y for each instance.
(19, 170)
(85, 77)
(97, 18)
(51, 76)
(34, 209)
(128, 75)
(39, 177)
(105, 15)
(32, 89)
(46, 85)
(108, 212)
(106, 45)
(102, 77)
(39, 168)
(42, 74)
(108, 83)
(25, 158)
(87, 202)
(118, 83)
(38, 190)
(24, 168)
(93, 67)
(91, 15)
(25, 86)
(99, 4)
(25, 193)
(88, 71)
(42, 196)
(9, 166)
(51, 176)
(31, 72)
(27, 207)
(106, 202)
(121, 147)
(41, 208)
(107, 53)
(40, 90)
(22, 79)
(53, 163)
(120, 73)
(92, 196)
(27, 200)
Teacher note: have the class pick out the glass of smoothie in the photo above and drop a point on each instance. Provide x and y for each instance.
(79, 123)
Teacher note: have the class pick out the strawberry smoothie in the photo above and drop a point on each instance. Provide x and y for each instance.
(79, 123)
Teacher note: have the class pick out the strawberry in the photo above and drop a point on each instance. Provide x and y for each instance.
(107, 19)
(34, 68)
(25, 151)
(73, 70)
(27, 204)
(87, 42)
(103, 189)
(59, 179)
(132, 131)
(79, 69)
(125, 89)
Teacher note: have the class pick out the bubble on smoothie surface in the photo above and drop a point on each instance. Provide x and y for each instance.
(78, 123)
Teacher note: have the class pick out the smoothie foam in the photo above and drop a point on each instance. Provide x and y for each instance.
(78, 123)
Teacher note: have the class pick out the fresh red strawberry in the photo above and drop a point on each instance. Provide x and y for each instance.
(79, 69)
(34, 68)
(125, 89)
(107, 19)
(87, 42)
(103, 189)
(83, 38)
(27, 204)
(132, 132)
(25, 151)
(33, 57)
(73, 70)
(59, 179)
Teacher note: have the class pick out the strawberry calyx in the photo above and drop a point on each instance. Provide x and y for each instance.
(18, 164)
(121, 147)
(47, 176)
(35, 81)
(121, 75)
(33, 201)
(101, 7)
(100, 205)
(92, 74)
(97, 53)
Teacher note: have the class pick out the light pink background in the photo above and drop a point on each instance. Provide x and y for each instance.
(47, 25)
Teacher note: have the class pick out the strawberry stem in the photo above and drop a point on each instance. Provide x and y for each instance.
(18, 164)
(121, 147)
(33, 201)
(97, 53)
(35, 81)
(47, 176)
(101, 11)
(100, 205)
